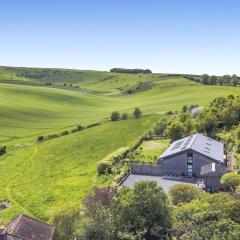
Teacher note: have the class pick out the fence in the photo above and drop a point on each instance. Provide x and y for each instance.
(146, 169)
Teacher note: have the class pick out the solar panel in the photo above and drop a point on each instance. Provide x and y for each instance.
(177, 145)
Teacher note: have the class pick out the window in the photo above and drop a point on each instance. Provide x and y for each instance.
(189, 158)
(189, 164)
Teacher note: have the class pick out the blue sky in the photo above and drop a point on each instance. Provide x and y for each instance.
(175, 36)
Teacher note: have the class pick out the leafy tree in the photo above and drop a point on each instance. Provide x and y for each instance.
(225, 229)
(208, 210)
(124, 116)
(65, 219)
(205, 79)
(182, 193)
(98, 220)
(206, 122)
(115, 116)
(213, 80)
(234, 82)
(230, 181)
(160, 127)
(175, 130)
(137, 113)
(184, 108)
(142, 211)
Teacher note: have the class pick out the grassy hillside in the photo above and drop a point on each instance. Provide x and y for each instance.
(28, 111)
(37, 177)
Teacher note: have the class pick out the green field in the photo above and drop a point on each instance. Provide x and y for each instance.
(35, 178)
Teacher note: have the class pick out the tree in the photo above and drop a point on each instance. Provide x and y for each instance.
(196, 219)
(98, 220)
(175, 130)
(234, 82)
(213, 80)
(115, 116)
(137, 113)
(65, 220)
(142, 212)
(205, 79)
(224, 229)
(182, 193)
(124, 116)
(184, 108)
(160, 127)
(230, 181)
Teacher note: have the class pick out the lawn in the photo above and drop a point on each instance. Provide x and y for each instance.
(150, 150)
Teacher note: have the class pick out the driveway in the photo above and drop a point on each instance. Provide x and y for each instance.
(165, 182)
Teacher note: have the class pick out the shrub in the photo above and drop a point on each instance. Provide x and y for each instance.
(107, 163)
(238, 190)
(64, 133)
(169, 113)
(93, 125)
(104, 168)
(230, 181)
(51, 136)
(182, 193)
(40, 138)
(3, 149)
(137, 113)
(124, 116)
(78, 128)
(115, 116)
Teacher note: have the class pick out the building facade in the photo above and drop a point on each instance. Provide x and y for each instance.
(187, 156)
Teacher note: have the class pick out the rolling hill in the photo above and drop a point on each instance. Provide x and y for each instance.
(35, 178)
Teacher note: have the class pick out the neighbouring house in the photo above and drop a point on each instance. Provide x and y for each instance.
(27, 228)
(196, 157)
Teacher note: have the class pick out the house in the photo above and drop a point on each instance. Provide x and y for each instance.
(186, 156)
(195, 156)
(196, 159)
(27, 228)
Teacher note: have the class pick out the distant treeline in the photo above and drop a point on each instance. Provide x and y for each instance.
(132, 71)
(34, 75)
(230, 80)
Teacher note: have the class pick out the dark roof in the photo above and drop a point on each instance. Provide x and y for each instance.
(27, 228)
(198, 143)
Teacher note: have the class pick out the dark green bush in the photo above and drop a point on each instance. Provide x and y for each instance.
(104, 168)
(115, 116)
(64, 133)
(124, 116)
(230, 181)
(40, 139)
(3, 149)
(93, 125)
